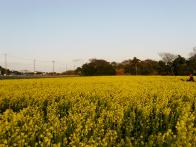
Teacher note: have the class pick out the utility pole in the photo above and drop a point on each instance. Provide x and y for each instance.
(34, 61)
(66, 67)
(5, 58)
(53, 62)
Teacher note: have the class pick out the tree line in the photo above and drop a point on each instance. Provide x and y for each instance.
(169, 64)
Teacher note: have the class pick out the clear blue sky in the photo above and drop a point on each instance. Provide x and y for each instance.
(65, 30)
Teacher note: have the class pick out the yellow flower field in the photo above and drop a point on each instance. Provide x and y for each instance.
(98, 111)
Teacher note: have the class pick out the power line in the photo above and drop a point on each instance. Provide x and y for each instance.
(32, 64)
(29, 59)
(22, 58)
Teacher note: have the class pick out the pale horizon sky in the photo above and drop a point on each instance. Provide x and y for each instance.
(66, 30)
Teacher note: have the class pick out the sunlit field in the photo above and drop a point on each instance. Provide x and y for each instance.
(98, 111)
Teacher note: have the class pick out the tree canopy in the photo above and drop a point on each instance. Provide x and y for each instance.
(169, 64)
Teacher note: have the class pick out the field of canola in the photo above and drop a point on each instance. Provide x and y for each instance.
(98, 111)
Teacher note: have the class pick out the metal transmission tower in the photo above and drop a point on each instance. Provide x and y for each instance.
(53, 62)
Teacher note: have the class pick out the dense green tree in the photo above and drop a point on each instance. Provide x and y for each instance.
(4, 71)
(179, 66)
(128, 67)
(148, 67)
(192, 63)
(97, 67)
